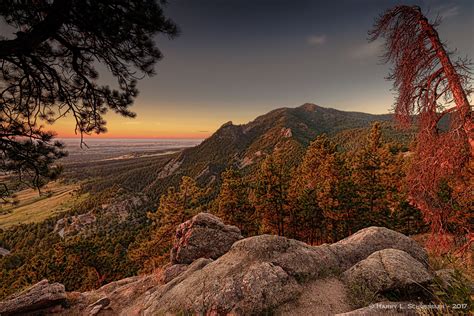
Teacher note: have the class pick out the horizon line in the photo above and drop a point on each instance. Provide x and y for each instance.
(129, 137)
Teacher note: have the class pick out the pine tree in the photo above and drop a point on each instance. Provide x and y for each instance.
(311, 189)
(233, 203)
(50, 66)
(271, 193)
(346, 193)
(408, 219)
(431, 86)
(377, 175)
(176, 206)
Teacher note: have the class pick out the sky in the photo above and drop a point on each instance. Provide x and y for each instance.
(237, 59)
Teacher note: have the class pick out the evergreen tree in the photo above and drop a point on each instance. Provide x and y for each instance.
(233, 203)
(271, 193)
(49, 68)
(346, 193)
(176, 206)
(312, 190)
(377, 175)
(408, 219)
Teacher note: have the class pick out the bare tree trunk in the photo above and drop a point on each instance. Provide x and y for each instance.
(459, 95)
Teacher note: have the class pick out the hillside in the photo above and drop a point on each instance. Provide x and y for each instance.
(243, 146)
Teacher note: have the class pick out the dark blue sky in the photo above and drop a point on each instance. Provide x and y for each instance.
(238, 59)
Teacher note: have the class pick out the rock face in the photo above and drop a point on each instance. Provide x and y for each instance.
(261, 274)
(213, 271)
(120, 208)
(203, 236)
(73, 224)
(169, 169)
(40, 296)
(245, 280)
(390, 269)
(116, 210)
(173, 271)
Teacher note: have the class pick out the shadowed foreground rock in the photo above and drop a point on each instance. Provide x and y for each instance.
(263, 273)
(40, 296)
(215, 272)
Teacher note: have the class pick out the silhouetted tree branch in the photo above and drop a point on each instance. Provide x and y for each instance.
(49, 70)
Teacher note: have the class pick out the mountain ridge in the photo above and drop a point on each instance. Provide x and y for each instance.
(243, 145)
(288, 130)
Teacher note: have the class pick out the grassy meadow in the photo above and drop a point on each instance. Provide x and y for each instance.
(33, 207)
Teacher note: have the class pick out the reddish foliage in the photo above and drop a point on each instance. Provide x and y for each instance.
(431, 87)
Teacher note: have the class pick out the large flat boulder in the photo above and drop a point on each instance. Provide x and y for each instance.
(251, 278)
(390, 270)
(371, 239)
(170, 272)
(203, 236)
(40, 296)
(123, 297)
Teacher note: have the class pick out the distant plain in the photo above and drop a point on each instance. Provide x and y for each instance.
(59, 196)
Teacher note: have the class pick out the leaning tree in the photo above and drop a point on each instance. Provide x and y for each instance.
(433, 89)
(49, 70)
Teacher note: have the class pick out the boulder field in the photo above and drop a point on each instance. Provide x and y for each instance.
(215, 271)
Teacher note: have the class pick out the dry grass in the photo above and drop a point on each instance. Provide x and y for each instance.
(449, 257)
(32, 207)
(456, 297)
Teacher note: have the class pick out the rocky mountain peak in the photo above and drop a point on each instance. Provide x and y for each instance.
(310, 107)
(227, 124)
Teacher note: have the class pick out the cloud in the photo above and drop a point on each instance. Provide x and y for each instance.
(316, 39)
(447, 12)
(367, 50)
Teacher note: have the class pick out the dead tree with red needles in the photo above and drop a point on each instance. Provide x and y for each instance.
(431, 87)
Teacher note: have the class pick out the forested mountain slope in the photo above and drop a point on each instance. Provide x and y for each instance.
(243, 146)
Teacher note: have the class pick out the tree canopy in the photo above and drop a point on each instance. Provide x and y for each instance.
(50, 70)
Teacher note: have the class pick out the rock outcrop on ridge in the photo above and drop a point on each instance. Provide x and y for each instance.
(41, 298)
(203, 236)
(214, 271)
